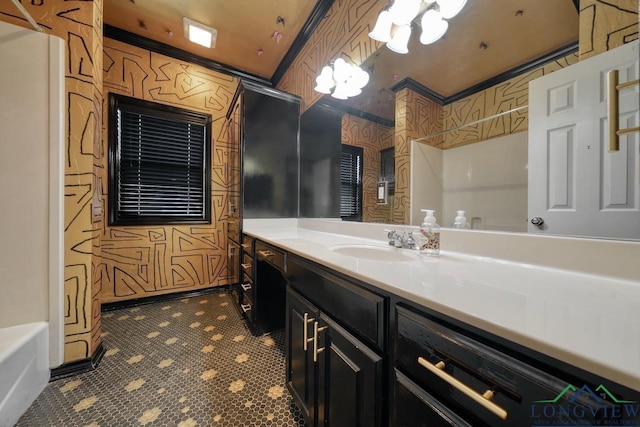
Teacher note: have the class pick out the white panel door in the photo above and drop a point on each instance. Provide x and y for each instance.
(576, 186)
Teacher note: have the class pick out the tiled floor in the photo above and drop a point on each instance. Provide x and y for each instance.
(188, 362)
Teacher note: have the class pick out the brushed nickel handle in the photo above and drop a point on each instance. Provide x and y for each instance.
(612, 109)
(316, 332)
(305, 334)
(246, 246)
(266, 254)
(246, 266)
(245, 286)
(483, 399)
(245, 307)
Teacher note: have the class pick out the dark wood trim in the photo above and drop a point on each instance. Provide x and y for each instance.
(79, 366)
(576, 3)
(317, 15)
(509, 74)
(328, 103)
(266, 90)
(514, 72)
(173, 52)
(118, 305)
(419, 88)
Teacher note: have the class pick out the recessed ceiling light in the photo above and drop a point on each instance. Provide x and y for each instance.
(199, 33)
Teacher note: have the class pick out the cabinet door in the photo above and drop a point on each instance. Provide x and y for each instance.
(350, 378)
(301, 370)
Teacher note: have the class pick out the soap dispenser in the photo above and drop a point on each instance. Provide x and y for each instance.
(430, 230)
(460, 221)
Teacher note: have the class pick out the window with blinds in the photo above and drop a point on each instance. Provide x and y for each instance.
(159, 163)
(351, 183)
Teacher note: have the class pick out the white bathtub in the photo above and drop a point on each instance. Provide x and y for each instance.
(24, 368)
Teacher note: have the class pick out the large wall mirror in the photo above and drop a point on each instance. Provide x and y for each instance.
(472, 154)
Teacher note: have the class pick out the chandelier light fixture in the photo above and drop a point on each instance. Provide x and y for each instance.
(393, 26)
(342, 81)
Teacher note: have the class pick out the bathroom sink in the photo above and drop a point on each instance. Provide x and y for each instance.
(375, 253)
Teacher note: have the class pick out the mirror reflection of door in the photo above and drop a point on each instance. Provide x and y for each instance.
(576, 186)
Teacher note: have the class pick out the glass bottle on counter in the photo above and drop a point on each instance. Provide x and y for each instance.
(430, 232)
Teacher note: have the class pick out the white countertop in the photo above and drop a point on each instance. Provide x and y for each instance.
(589, 321)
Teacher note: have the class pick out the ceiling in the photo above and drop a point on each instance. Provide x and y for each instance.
(486, 39)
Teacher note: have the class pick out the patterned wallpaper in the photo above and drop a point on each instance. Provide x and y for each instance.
(142, 261)
(605, 25)
(416, 116)
(372, 137)
(79, 23)
(344, 32)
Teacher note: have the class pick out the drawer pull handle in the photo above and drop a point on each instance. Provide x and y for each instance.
(483, 399)
(266, 254)
(246, 246)
(246, 266)
(246, 286)
(305, 334)
(245, 307)
(316, 332)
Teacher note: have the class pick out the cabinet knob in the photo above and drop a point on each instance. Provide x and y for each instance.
(537, 221)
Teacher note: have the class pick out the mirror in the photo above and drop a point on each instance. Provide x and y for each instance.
(487, 40)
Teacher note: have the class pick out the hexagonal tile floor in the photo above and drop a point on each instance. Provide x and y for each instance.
(187, 362)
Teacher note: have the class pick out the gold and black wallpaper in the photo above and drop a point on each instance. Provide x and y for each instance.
(141, 261)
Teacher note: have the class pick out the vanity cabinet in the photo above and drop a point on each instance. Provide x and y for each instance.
(358, 355)
(334, 377)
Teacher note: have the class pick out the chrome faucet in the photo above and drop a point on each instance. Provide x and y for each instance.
(401, 241)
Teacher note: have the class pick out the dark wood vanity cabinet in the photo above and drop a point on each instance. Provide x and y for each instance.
(335, 378)
(359, 356)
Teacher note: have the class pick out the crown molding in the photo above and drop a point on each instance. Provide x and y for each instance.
(317, 15)
(173, 52)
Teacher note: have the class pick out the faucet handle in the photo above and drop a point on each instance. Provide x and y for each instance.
(390, 233)
(411, 243)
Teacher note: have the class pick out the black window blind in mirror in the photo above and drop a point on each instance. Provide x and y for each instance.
(159, 163)
(351, 183)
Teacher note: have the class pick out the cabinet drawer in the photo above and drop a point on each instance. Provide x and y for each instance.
(247, 244)
(458, 370)
(360, 309)
(272, 255)
(246, 290)
(413, 407)
(247, 259)
(247, 267)
(246, 307)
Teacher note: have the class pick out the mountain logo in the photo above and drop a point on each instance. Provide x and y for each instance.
(604, 393)
(585, 406)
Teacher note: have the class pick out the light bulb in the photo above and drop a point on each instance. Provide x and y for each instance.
(341, 70)
(341, 91)
(400, 40)
(382, 30)
(433, 27)
(403, 11)
(450, 8)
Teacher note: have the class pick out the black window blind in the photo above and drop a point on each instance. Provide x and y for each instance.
(161, 165)
(351, 183)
